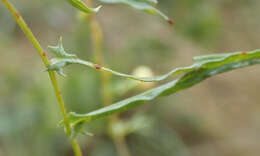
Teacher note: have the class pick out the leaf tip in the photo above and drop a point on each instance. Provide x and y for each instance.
(97, 8)
(60, 72)
(43, 54)
(171, 22)
(60, 39)
(98, 67)
(60, 42)
(244, 53)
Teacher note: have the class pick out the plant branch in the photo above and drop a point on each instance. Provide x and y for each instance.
(207, 66)
(20, 21)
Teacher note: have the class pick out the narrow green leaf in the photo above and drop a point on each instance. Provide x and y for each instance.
(64, 59)
(143, 5)
(83, 7)
(222, 63)
(149, 1)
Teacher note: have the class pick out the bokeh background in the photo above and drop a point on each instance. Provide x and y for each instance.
(219, 117)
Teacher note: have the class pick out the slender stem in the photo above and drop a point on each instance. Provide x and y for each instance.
(97, 42)
(76, 147)
(119, 140)
(20, 21)
(121, 145)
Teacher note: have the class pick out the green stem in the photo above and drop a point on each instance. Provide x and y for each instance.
(97, 42)
(20, 21)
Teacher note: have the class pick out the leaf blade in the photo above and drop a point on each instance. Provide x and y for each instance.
(63, 59)
(83, 7)
(143, 5)
(191, 78)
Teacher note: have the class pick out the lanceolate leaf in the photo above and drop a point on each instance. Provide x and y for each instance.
(63, 59)
(144, 5)
(83, 7)
(216, 64)
(149, 1)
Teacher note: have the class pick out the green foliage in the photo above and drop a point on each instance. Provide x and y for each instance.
(83, 7)
(59, 51)
(144, 5)
(64, 59)
(203, 68)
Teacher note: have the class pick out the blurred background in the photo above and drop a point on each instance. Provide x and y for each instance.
(219, 117)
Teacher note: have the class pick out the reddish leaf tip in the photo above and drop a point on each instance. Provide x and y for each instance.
(98, 67)
(244, 53)
(170, 22)
(44, 54)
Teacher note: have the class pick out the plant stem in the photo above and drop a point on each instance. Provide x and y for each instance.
(97, 44)
(20, 21)
(119, 140)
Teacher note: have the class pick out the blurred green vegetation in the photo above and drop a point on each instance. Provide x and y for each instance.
(218, 117)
